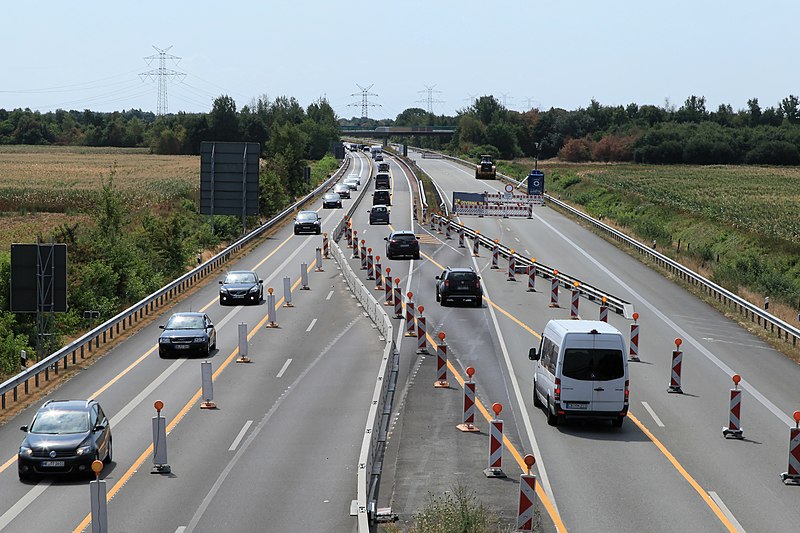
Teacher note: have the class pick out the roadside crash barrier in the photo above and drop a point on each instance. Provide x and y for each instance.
(532, 275)
(576, 296)
(512, 266)
(422, 342)
(734, 429)
(319, 261)
(271, 313)
(495, 468)
(634, 344)
(554, 290)
(792, 475)
(527, 497)
(677, 362)
(441, 363)
(370, 265)
(468, 419)
(378, 274)
(495, 255)
(208, 386)
(388, 285)
(603, 309)
(160, 465)
(287, 292)
(243, 347)
(410, 329)
(398, 299)
(303, 277)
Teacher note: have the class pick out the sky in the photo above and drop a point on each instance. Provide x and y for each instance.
(527, 53)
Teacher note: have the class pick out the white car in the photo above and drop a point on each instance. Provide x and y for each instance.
(355, 177)
(351, 182)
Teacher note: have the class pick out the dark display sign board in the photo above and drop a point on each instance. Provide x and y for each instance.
(38, 278)
(536, 182)
(229, 178)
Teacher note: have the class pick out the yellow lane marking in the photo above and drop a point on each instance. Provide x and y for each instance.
(149, 450)
(671, 458)
(148, 352)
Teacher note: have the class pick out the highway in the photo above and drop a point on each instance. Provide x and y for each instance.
(280, 451)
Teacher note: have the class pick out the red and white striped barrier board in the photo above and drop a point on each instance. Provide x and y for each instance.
(495, 254)
(388, 301)
(603, 310)
(439, 228)
(348, 232)
(378, 274)
(792, 475)
(512, 266)
(422, 341)
(370, 265)
(554, 289)
(447, 229)
(734, 429)
(634, 344)
(461, 238)
(410, 330)
(441, 363)
(527, 496)
(363, 254)
(531, 278)
(355, 245)
(495, 468)
(576, 298)
(468, 420)
(325, 246)
(433, 223)
(398, 299)
(677, 363)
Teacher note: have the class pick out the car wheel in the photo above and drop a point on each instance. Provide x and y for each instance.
(617, 422)
(479, 301)
(109, 452)
(162, 355)
(552, 418)
(438, 298)
(416, 256)
(319, 231)
(296, 232)
(536, 401)
(26, 477)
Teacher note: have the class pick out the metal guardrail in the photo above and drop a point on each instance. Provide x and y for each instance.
(119, 324)
(749, 311)
(616, 304)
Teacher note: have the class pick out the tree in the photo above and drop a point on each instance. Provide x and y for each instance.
(789, 106)
(754, 112)
(223, 120)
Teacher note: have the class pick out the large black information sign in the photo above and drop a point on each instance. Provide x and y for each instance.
(536, 182)
(38, 278)
(229, 178)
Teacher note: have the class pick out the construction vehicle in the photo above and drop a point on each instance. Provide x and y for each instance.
(486, 169)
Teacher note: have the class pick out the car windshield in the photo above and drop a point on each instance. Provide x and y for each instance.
(379, 209)
(593, 364)
(462, 276)
(332, 196)
(240, 277)
(57, 421)
(307, 217)
(184, 322)
(404, 237)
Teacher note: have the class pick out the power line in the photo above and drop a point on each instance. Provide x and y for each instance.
(430, 101)
(162, 75)
(365, 105)
(530, 103)
(506, 96)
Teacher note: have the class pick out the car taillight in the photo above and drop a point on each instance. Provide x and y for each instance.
(446, 283)
(393, 241)
(627, 391)
(557, 391)
(477, 284)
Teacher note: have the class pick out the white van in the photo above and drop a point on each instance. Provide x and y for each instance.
(581, 371)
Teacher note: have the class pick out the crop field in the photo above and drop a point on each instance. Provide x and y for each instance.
(752, 199)
(42, 187)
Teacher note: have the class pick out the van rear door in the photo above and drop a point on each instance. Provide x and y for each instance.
(609, 374)
(577, 379)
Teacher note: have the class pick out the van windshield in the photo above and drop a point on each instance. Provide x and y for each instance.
(588, 364)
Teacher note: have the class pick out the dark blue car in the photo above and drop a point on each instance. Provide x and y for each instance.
(187, 333)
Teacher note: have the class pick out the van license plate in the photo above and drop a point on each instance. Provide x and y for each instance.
(576, 406)
(52, 464)
(181, 346)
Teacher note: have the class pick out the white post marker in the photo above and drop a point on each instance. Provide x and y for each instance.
(304, 277)
(287, 292)
(160, 465)
(97, 495)
(319, 261)
(527, 497)
(243, 346)
(271, 312)
(208, 386)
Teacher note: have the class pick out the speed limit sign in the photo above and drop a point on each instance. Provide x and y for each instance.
(509, 190)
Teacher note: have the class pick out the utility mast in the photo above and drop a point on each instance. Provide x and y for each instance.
(365, 105)
(429, 100)
(162, 75)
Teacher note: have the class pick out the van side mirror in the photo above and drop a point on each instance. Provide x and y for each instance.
(532, 355)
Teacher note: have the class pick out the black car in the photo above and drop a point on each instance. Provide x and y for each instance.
(383, 181)
(331, 200)
(64, 437)
(459, 284)
(402, 243)
(379, 214)
(307, 222)
(186, 333)
(241, 286)
(342, 189)
(382, 197)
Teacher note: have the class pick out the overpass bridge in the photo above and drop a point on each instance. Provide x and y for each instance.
(384, 132)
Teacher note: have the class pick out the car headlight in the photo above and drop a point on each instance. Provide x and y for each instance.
(199, 339)
(254, 289)
(164, 340)
(223, 290)
(84, 450)
(24, 450)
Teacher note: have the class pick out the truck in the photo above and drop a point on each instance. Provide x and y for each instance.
(486, 169)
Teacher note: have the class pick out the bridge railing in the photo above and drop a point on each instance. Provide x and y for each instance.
(119, 324)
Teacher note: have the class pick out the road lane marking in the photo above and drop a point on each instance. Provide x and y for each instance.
(198, 515)
(308, 329)
(283, 368)
(653, 414)
(328, 297)
(23, 502)
(180, 529)
(728, 513)
(695, 485)
(240, 436)
(176, 420)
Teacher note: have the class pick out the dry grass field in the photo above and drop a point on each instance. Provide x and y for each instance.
(42, 187)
